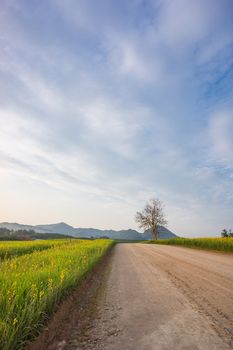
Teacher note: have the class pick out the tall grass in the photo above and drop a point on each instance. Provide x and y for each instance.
(222, 244)
(12, 249)
(32, 285)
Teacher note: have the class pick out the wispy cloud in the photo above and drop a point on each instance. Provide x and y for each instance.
(220, 133)
(108, 103)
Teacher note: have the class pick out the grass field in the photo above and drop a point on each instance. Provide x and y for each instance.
(32, 285)
(222, 244)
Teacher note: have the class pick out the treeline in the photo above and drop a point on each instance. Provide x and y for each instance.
(27, 235)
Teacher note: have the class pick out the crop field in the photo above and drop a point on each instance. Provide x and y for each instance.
(222, 244)
(12, 249)
(31, 285)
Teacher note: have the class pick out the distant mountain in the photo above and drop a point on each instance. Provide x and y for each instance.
(122, 234)
(25, 235)
(63, 228)
(13, 226)
(163, 233)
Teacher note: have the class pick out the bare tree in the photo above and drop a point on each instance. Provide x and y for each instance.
(151, 217)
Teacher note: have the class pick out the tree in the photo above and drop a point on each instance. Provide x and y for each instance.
(151, 217)
(224, 233)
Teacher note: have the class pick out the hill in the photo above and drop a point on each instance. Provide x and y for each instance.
(163, 233)
(13, 226)
(61, 227)
(64, 229)
(25, 235)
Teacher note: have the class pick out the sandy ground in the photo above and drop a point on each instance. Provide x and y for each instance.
(161, 297)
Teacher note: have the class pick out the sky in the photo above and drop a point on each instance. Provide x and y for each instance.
(106, 104)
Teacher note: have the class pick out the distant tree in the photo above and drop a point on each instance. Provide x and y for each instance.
(224, 233)
(230, 233)
(151, 217)
(4, 230)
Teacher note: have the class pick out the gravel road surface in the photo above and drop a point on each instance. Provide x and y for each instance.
(162, 297)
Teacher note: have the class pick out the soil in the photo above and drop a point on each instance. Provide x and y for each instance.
(74, 312)
(149, 297)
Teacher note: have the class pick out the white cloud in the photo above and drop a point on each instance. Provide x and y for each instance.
(183, 23)
(107, 111)
(213, 47)
(128, 60)
(220, 133)
(113, 124)
(23, 150)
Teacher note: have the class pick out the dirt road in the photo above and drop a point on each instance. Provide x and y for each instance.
(162, 297)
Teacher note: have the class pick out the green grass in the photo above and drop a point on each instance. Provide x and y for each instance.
(12, 249)
(32, 285)
(221, 244)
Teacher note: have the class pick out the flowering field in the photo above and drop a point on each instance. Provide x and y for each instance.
(12, 249)
(222, 244)
(32, 285)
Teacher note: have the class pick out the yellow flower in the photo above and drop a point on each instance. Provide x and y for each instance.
(62, 276)
(41, 294)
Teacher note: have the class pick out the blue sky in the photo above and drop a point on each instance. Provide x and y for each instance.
(105, 104)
